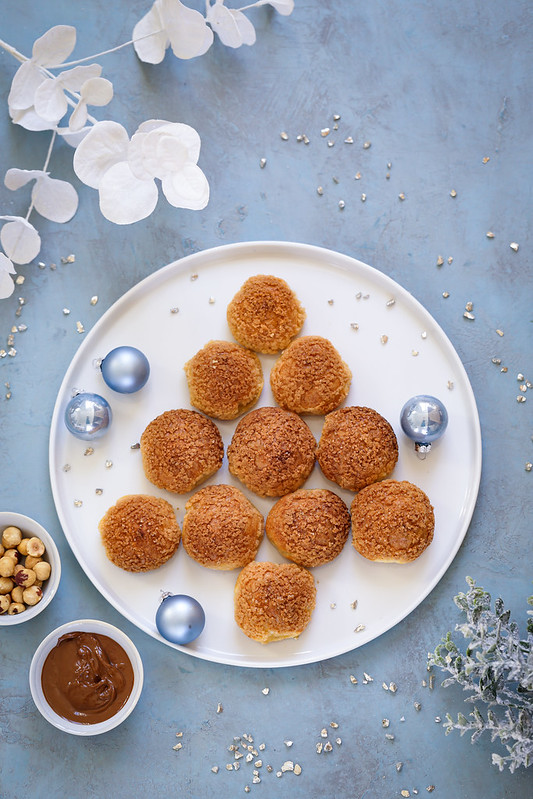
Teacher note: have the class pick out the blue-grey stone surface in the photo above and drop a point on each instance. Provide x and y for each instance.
(436, 88)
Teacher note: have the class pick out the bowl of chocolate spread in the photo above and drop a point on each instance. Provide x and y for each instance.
(86, 677)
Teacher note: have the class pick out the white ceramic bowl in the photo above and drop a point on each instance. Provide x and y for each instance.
(91, 626)
(30, 528)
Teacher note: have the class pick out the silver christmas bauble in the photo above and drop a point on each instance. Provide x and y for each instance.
(423, 419)
(179, 618)
(125, 369)
(87, 416)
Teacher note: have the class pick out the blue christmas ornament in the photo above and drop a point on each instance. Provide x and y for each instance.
(125, 369)
(423, 419)
(87, 416)
(179, 618)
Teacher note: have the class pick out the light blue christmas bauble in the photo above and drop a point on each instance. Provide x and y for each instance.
(180, 618)
(423, 419)
(87, 416)
(125, 369)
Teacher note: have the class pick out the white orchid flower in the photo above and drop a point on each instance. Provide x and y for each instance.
(232, 26)
(124, 171)
(7, 284)
(54, 199)
(171, 23)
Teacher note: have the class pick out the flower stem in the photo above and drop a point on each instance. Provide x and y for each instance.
(91, 57)
(22, 58)
(49, 153)
(252, 5)
(11, 50)
(105, 52)
(45, 167)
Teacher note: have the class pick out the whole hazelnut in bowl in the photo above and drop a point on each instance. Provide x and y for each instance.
(30, 568)
(86, 677)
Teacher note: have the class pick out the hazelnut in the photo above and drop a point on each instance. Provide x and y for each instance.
(7, 566)
(12, 553)
(6, 585)
(11, 537)
(23, 546)
(35, 547)
(31, 561)
(42, 569)
(16, 593)
(32, 595)
(5, 602)
(2, 550)
(15, 608)
(25, 577)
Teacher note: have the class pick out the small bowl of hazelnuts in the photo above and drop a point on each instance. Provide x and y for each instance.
(30, 568)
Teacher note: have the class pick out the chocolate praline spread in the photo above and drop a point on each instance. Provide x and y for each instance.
(87, 677)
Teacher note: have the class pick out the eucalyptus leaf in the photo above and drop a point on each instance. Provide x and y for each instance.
(496, 669)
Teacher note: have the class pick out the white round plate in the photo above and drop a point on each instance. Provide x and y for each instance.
(347, 302)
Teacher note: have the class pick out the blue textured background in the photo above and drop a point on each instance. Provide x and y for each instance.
(435, 87)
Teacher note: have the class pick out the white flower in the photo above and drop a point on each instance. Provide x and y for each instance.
(7, 285)
(50, 100)
(20, 240)
(38, 100)
(93, 91)
(124, 171)
(171, 23)
(283, 7)
(231, 25)
(50, 49)
(56, 200)
(74, 137)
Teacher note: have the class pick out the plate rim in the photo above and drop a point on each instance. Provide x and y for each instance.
(265, 248)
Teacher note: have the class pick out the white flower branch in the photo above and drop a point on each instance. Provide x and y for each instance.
(123, 170)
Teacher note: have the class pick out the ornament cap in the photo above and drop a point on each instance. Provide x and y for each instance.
(422, 450)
